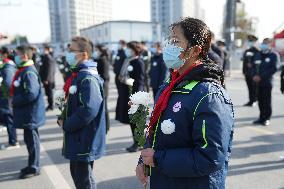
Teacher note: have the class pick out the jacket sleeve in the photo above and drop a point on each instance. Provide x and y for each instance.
(211, 137)
(8, 75)
(91, 100)
(272, 68)
(51, 69)
(138, 75)
(31, 88)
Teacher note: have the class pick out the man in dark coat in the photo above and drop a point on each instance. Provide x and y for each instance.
(158, 70)
(47, 73)
(146, 57)
(248, 57)
(217, 51)
(118, 62)
(264, 67)
(28, 107)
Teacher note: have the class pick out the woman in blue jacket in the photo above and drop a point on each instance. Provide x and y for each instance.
(191, 128)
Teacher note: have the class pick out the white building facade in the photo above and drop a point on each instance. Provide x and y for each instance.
(67, 17)
(113, 31)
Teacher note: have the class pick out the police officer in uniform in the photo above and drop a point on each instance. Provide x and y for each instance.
(158, 69)
(264, 68)
(248, 57)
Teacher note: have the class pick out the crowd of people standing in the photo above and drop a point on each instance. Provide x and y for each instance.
(194, 66)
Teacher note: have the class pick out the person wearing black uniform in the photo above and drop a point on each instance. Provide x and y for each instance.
(248, 58)
(264, 67)
(158, 70)
(146, 57)
(222, 46)
(216, 50)
(119, 59)
(101, 56)
(136, 71)
(47, 74)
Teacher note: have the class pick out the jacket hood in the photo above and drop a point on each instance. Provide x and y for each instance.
(208, 71)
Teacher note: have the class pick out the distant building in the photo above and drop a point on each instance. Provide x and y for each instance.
(167, 12)
(67, 17)
(112, 31)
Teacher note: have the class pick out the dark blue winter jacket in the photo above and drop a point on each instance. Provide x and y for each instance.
(196, 154)
(7, 72)
(265, 65)
(84, 128)
(28, 103)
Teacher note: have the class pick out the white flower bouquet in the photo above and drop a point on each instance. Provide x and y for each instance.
(139, 111)
(60, 103)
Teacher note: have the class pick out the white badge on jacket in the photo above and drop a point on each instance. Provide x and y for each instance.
(177, 107)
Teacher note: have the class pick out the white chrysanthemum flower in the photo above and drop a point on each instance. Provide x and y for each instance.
(73, 89)
(267, 60)
(1, 79)
(168, 127)
(66, 69)
(257, 62)
(130, 68)
(141, 98)
(61, 67)
(59, 94)
(249, 53)
(130, 81)
(17, 83)
(133, 109)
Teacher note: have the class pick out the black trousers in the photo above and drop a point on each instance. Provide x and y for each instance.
(251, 89)
(264, 102)
(82, 174)
(31, 138)
(49, 93)
(7, 120)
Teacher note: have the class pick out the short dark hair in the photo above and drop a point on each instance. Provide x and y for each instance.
(252, 38)
(267, 40)
(25, 50)
(4, 50)
(143, 42)
(122, 42)
(135, 46)
(102, 49)
(196, 32)
(158, 44)
(84, 44)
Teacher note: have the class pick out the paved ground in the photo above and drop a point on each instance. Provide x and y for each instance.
(256, 160)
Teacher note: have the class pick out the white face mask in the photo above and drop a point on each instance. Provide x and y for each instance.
(171, 55)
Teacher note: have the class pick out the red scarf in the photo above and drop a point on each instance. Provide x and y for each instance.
(68, 83)
(163, 99)
(12, 89)
(6, 60)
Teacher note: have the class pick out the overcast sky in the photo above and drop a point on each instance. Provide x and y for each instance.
(30, 17)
